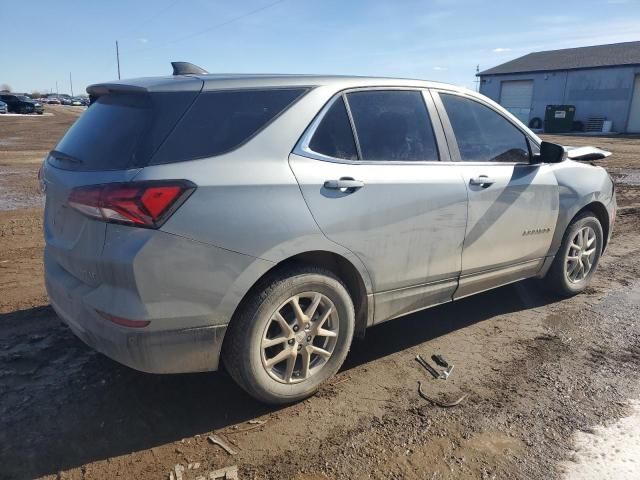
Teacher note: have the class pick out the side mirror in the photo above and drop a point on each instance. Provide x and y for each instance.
(550, 153)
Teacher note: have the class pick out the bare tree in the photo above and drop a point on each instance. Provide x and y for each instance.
(5, 87)
(36, 94)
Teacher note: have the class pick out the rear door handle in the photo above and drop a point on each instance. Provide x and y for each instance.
(344, 183)
(482, 180)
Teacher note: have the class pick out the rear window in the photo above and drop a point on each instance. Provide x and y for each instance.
(129, 130)
(221, 121)
(120, 131)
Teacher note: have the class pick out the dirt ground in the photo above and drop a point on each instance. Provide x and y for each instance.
(536, 370)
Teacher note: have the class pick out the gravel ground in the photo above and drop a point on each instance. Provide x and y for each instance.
(541, 374)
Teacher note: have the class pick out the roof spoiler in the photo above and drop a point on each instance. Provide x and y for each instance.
(186, 68)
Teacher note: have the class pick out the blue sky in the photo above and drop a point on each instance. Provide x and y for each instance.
(444, 40)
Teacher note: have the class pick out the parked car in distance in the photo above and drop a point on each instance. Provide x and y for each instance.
(3, 107)
(76, 102)
(261, 222)
(53, 100)
(21, 104)
(65, 101)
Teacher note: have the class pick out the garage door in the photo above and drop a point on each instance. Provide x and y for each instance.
(516, 96)
(634, 114)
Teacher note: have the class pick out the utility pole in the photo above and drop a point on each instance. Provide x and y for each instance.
(118, 58)
(477, 80)
(71, 84)
(56, 87)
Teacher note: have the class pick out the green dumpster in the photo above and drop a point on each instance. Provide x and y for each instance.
(559, 118)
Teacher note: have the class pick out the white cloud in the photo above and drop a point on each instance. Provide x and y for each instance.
(501, 50)
(143, 40)
(440, 69)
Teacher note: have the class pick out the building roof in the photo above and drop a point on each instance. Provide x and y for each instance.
(614, 54)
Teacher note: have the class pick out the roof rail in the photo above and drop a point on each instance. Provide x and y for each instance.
(186, 68)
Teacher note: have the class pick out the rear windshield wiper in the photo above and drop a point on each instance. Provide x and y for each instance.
(58, 155)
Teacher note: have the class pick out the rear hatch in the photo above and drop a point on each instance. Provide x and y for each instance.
(115, 137)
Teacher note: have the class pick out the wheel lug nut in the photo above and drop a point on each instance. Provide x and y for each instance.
(296, 328)
(299, 347)
(291, 342)
(309, 338)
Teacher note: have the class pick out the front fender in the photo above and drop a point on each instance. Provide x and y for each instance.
(580, 185)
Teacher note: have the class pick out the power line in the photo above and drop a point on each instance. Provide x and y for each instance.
(168, 7)
(213, 27)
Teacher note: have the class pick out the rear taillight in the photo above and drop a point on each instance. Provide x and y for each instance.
(144, 204)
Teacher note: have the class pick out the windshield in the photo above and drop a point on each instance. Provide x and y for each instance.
(24, 98)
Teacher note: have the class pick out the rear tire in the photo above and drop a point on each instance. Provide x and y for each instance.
(577, 258)
(279, 353)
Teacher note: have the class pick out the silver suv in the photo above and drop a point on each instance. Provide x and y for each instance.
(264, 221)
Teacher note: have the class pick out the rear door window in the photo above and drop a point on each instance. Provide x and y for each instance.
(393, 125)
(334, 136)
(482, 134)
(221, 121)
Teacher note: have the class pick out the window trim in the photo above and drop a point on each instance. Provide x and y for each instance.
(450, 134)
(302, 147)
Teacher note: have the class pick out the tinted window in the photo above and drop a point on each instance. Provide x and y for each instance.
(120, 131)
(220, 121)
(482, 134)
(393, 125)
(334, 137)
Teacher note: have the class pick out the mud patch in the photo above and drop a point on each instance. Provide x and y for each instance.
(18, 189)
(627, 177)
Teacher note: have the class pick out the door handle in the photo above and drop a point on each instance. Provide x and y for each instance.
(345, 183)
(482, 180)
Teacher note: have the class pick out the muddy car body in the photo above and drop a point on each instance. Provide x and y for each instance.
(266, 220)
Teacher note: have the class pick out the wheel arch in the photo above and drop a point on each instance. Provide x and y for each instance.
(342, 267)
(601, 213)
(595, 207)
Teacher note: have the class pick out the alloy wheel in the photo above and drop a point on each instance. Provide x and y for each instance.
(300, 337)
(581, 254)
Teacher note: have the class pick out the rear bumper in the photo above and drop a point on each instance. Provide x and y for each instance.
(193, 349)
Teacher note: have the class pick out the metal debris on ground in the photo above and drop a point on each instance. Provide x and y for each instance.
(216, 440)
(438, 403)
(257, 422)
(427, 367)
(440, 361)
(447, 372)
(227, 473)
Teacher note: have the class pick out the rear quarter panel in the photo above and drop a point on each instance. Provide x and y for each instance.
(248, 201)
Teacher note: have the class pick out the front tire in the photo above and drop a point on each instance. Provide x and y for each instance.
(578, 256)
(291, 336)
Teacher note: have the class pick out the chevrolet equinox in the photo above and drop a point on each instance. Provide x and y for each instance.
(263, 221)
